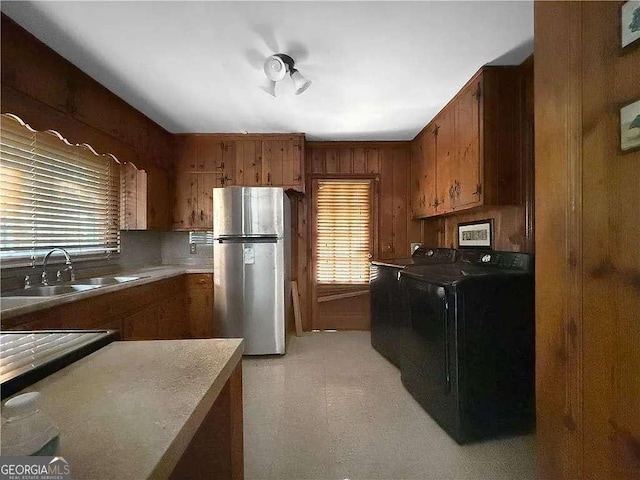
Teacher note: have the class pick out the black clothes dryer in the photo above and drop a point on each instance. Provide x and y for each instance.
(389, 313)
(469, 351)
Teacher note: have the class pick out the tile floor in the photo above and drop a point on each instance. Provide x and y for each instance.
(333, 408)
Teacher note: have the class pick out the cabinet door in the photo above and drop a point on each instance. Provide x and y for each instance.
(292, 164)
(185, 201)
(272, 151)
(429, 172)
(200, 305)
(249, 163)
(206, 183)
(142, 325)
(418, 196)
(172, 324)
(445, 157)
(210, 154)
(229, 163)
(186, 153)
(466, 176)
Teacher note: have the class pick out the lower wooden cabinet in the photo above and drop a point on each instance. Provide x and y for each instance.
(200, 305)
(147, 312)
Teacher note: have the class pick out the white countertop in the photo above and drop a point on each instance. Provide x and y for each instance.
(14, 306)
(130, 409)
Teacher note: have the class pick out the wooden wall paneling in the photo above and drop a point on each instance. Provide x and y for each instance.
(331, 161)
(558, 85)
(610, 228)
(316, 160)
(373, 160)
(240, 166)
(288, 175)
(359, 160)
(299, 164)
(346, 161)
(386, 227)
(401, 214)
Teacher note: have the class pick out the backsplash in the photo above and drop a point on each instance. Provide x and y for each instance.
(175, 250)
(138, 249)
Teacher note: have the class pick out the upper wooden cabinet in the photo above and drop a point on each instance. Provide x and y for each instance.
(144, 203)
(207, 161)
(476, 143)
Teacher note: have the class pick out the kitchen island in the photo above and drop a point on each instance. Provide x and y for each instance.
(150, 409)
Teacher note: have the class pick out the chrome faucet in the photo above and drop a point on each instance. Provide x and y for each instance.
(69, 268)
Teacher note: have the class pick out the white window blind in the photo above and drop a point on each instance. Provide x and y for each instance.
(343, 229)
(53, 194)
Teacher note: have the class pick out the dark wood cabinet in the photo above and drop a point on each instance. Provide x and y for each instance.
(207, 161)
(465, 178)
(200, 305)
(478, 148)
(423, 174)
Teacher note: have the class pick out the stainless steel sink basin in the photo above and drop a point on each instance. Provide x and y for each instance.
(49, 291)
(105, 280)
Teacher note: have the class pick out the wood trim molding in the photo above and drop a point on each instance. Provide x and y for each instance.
(359, 144)
(340, 296)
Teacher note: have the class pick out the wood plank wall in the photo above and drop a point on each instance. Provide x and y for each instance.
(388, 164)
(48, 92)
(587, 262)
(513, 224)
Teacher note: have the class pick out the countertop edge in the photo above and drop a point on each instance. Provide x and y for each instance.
(174, 452)
(153, 274)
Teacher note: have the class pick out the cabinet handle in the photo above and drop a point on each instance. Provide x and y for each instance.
(451, 192)
(269, 178)
(257, 178)
(478, 189)
(457, 188)
(201, 215)
(193, 216)
(436, 203)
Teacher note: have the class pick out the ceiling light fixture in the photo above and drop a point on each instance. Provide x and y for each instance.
(277, 66)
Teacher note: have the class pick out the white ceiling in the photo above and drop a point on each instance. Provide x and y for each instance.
(380, 70)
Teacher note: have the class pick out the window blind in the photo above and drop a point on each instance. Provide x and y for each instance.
(201, 238)
(343, 229)
(53, 194)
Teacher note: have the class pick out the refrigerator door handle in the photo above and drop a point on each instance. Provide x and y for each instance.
(247, 240)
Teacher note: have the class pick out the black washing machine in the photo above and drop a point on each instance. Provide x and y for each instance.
(389, 313)
(469, 351)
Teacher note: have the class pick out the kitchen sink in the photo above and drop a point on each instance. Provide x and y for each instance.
(49, 291)
(105, 280)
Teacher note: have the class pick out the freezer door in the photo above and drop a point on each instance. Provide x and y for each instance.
(248, 211)
(249, 293)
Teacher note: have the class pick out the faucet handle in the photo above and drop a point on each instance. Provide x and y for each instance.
(27, 282)
(59, 276)
(44, 279)
(72, 274)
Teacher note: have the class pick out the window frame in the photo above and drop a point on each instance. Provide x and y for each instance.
(374, 180)
(33, 260)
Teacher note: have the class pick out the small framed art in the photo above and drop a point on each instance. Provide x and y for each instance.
(630, 25)
(630, 127)
(477, 234)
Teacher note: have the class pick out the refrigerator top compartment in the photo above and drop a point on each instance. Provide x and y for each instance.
(248, 212)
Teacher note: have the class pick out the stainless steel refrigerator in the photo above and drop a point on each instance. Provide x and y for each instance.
(251, 256)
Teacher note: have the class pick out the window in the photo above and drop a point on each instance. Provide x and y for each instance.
(343, 229)
(53, 194)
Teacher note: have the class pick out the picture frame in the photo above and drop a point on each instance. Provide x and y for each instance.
(630, 126)
(629, 25)
(477, 234)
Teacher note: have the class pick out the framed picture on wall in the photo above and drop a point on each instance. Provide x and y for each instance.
(477, 234)
(630, 25)
(630, 126)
